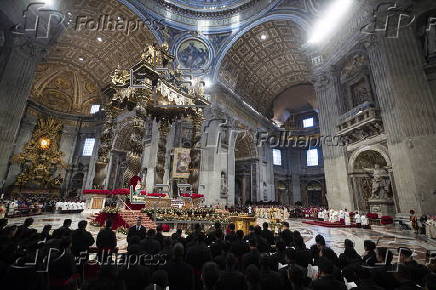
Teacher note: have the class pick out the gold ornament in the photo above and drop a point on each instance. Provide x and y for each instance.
(41, 157)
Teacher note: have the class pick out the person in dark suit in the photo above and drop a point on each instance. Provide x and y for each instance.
(250, 234)
(231, 235)
(327, 279)
(404, 277)
(64, 230)
(159, 236)
(106, 240)
(239, 247)
(81, 239)
(150, 245)
(211, 237)
(137, 230)
(365, 280)
(181, 275)
(24, 230)
(418, 271)
(252, 257)
(230, 279)
(286, 234)
(267, 234)
(269, 279)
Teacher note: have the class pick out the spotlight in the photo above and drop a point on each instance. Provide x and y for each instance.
(263, 37)
(81, 59)
(100, 39)
(329, 20)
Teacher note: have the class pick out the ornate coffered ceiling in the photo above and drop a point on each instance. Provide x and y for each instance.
(65, 89)
(95, 41)
(264, 62)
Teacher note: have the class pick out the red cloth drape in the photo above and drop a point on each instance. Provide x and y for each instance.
(134, 181)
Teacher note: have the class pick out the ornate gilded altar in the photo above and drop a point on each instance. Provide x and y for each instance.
(242, 222)
(41, 157)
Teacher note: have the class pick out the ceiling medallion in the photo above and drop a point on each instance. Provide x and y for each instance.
(193, 54)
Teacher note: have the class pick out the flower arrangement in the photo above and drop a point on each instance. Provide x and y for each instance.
(156, 194)
(193, 195)
(189, 214)
(110, 210)
(123, 230)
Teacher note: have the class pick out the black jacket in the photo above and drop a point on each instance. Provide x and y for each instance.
(106, 239)
(133, 231)
(328, 283)
(251, 257)
(232, 280)
(81, 240)
(286, 236)
(180, 275)
(268, 236)
(62, 232)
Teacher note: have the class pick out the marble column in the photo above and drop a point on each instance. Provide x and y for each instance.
(18, 61)
(328, 90)
(409, 116)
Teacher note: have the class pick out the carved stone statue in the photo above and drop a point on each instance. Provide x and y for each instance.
(381, 184)
(223, 184)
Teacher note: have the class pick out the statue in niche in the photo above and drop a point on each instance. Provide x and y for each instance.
(381, 185)
(223, 184)
(360, 93)
(353, 65)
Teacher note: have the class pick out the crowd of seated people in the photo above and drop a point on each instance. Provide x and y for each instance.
(210, 260)
(25, 204)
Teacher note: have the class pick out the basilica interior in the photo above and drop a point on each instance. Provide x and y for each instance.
(309, 112)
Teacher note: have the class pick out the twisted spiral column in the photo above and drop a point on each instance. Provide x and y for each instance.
(194, 166)
(161, 150)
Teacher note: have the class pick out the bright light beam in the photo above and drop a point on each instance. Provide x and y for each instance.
(329, 20)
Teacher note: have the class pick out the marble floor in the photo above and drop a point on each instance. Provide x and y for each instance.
(387, 236)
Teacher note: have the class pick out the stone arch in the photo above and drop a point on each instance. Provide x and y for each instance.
(360, 175)
(380, 149)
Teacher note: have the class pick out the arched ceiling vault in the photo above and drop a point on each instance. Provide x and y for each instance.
(264, 62)
(80, 63)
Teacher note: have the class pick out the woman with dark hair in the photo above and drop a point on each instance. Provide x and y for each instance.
(321, 250)
(369, 257)
(349, 256)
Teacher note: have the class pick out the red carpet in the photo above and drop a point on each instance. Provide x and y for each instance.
(328, 224)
